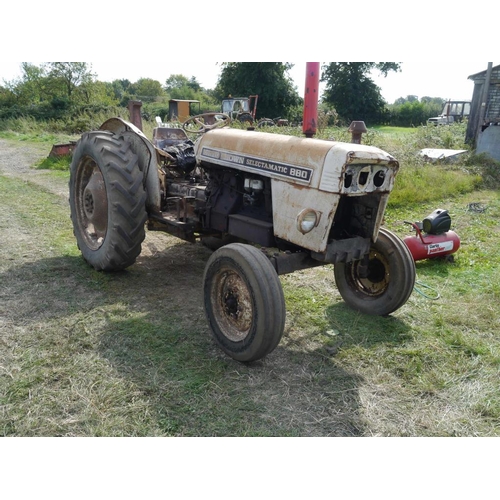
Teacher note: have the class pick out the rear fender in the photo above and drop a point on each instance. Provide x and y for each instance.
(148, 158)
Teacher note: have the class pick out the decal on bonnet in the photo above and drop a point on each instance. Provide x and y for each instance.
(253, 163)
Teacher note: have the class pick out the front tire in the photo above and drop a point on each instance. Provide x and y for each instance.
(107, 201)
(244, 302)
(386, 284)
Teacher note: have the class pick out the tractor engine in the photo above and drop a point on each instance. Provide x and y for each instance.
(215, 199)
(182, 185)
(239, 204)
(185, 160)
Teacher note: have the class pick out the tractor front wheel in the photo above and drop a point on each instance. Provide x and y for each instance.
(244, 302)
(107, 201)
(383, 282)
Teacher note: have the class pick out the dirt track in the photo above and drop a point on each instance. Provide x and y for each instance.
(17, 159)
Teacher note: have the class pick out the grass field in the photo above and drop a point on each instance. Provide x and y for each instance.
(84, 353)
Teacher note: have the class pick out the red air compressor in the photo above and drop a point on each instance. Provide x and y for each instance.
(438, 240)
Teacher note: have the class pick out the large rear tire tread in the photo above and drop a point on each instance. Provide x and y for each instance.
(244, 302)
(112, 157)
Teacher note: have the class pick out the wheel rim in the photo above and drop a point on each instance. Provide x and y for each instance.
(91, 203)
(233, 305)
(376, 280)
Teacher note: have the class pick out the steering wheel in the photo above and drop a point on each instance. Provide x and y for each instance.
(206, 122)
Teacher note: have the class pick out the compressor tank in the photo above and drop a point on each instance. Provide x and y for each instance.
(432, 245)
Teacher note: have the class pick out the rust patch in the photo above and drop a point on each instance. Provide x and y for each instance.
(62, 149)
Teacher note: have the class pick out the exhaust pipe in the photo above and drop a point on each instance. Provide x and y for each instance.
(311, 95)
(134, 110)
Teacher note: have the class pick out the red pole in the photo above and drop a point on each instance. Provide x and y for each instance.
(310, 117)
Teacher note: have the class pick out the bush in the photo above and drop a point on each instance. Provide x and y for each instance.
(413, 114)
(485, 166)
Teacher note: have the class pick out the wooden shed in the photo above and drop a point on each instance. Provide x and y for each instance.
(182, 109)
(483, 128)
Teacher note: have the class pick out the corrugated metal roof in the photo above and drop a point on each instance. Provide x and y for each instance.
(482, 73)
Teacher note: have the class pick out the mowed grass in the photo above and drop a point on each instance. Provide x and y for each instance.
(84, 353)
(129, 354)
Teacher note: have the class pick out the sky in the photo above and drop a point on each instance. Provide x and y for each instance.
(448, 80)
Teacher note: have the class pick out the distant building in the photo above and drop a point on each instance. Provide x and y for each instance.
(483, 128)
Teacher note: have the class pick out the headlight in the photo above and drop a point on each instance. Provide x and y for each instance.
(307, 220)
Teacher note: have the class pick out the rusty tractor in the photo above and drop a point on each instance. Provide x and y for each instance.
(242, 109)
(267, 204)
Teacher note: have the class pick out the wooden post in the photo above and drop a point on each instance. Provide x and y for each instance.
(484, 100)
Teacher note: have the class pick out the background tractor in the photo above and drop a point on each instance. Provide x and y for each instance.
(453, 112)
(242, 109)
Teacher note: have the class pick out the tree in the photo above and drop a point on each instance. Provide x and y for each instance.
(122, 90)
(269, 80)
(30, 88)
(7, 98)
(351, 91)
(437, 101)
(408, 98)
(70, 75)
(98, 94)
(409, 111)
(177, 81)
(54, 90)
(148, 89)
(180, 87)
(194, 84)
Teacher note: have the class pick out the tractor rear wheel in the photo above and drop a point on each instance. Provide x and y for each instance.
(244, 302)
(383, 283)
(107, 201)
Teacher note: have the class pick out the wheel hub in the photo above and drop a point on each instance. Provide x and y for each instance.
(95, 203)
(231, 304)
(235, 306)
(376, 271)
(375, 279)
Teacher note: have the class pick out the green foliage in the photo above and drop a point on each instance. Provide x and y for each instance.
(416, 181)
(485, 166)
(60, 163)
(428, 183)
(405, 143)
(408, 114)
(70, 82)
(64, 90)
(54, 91)
(446, 137)
(269, 80)
(83, 119)
(412, 112)
(122, 91)
(353, 93)
(178, 82)
(147, 89)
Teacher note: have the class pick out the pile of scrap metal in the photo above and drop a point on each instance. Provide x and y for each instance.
(62, 149)
(434, 155)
